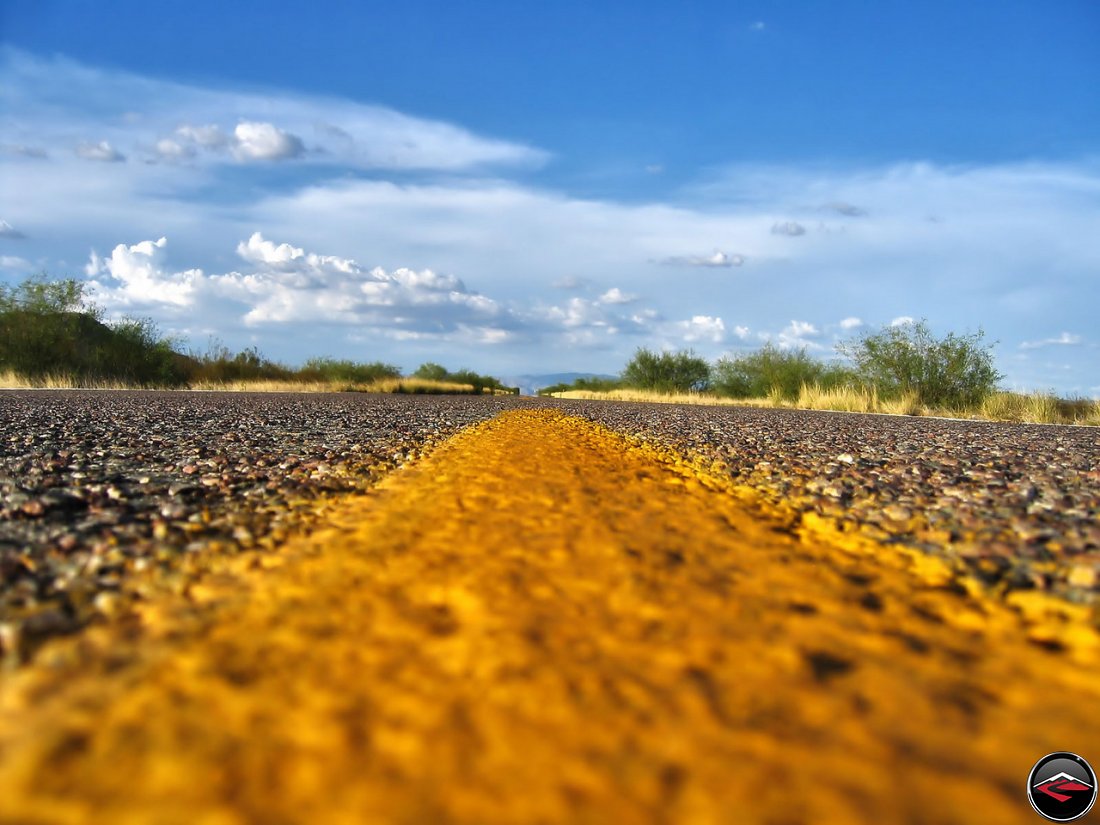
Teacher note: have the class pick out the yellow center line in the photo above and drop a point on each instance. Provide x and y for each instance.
(544, 622)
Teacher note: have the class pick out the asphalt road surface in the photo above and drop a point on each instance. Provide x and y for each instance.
(690, 615)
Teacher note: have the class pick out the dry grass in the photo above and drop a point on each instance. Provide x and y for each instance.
(12, 381)
(661, 398)
(1032, 408)
(856, 399)
(383, 386)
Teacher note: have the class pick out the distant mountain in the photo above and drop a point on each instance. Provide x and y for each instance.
(530, 384)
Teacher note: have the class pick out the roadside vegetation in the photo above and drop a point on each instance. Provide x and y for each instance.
(901, 370)
(53, 336)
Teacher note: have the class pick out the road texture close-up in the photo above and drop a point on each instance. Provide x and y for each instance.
(562, 613)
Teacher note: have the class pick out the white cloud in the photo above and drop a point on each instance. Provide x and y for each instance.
(718, 259)
(796, 335)
(569, 282)
(139, 279)
(287, 285)
(903, 321)
(851, 322)
(264, 141)
(617, 296)
(742, 332)
(703, 328)
(791, 229)
(1066, 339)
(10, 232)
(14, 263)
(102, 151)
(757, 26)
(57, 94)
(209, 136)
(22, 150)
(170, 149)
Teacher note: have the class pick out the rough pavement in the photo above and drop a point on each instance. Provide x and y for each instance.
(544, 623)
(106, 497)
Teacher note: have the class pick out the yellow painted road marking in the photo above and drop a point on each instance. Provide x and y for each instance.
(544, 623)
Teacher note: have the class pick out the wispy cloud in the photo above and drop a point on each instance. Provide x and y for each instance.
(717, 259)
(101, 151)
(846, 209)
(617, 296)
(791, 229)
(10, 232)
(1066, 339)
(252, 126)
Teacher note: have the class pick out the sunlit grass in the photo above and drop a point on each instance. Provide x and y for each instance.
(413, 386)
(12, 381)
(660, 398)
(1031, 408)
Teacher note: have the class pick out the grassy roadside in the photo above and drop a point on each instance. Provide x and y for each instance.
(1031, 408)
(411, 386)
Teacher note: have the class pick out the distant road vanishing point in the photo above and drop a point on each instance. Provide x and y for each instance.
(544, 621)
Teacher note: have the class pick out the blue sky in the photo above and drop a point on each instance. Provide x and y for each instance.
(520, 187)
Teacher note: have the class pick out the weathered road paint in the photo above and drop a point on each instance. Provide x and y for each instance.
(544, 623)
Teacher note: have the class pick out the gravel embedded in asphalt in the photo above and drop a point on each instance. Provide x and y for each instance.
(106, 494)
(99, 489)
(1017, 504)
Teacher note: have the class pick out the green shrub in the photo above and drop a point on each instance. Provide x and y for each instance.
(955, 371)
(774, 373)
(681, 371)
(49, 328)
(431, 371)
(353, 372)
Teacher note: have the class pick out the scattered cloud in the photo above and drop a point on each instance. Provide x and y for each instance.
(22, 150)
(655, 168)
(851, 322)
(1066, 339)
(703, 328)
(209, 136)
(264, 141)
(902, 321)
(742, 332)
(14, 263)
(139, 277)
(789, 228)
(569, 282)
(757, 26)
(10, 232)
(363, 136)
(847, 209)
(285, 284)
(617, 296)
(718, 259)
(102, 151)
(798, 335)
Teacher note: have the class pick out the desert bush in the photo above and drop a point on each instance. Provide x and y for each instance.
(955, 371)
(351, 372)
(681, 371)
(50, 328)
(771, 372)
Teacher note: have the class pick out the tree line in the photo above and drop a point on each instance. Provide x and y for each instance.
(953, 371)
(49, 328)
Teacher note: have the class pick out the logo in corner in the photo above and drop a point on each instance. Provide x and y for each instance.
(1061, 787)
